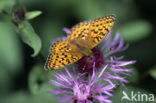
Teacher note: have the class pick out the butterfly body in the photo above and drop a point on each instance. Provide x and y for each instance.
(81, 39)
(81, 47)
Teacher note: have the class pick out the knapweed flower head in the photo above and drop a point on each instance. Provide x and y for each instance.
(75, 89)
(104, 71)
(98, 69)
(85, 64)
(103, 55)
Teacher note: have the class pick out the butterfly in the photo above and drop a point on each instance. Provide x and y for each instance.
(81, 39)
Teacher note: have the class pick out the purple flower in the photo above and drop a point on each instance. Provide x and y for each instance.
(99, 73)
(77, 90)
(85, 64)
(116, 65)
(67, 30)
(103, 55)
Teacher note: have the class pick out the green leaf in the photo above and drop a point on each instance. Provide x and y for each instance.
(7, 83)
(134, 31)
(25, 97)
(6, 4)
(32, 14)
(17, 97)
(39, 80)
(29, 37)
(153, 72)
(10, 51)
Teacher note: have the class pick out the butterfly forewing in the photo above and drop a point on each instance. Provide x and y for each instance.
(79, 31)
(99, 28)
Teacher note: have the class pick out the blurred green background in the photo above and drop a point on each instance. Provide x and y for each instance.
(24, 47)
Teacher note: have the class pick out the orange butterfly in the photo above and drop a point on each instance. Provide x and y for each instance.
(82, 38)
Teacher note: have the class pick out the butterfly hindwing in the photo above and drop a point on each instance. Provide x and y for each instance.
(61, 54)
(60, 46)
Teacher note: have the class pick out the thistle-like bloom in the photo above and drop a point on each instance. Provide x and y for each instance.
(112, 69)
(75, 89)
(104, 55)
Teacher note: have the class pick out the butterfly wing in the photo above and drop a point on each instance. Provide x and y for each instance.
(79, 31)
(60, 46)
(90, 34)
(61, 54)
(99, 28)
(79, 34)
